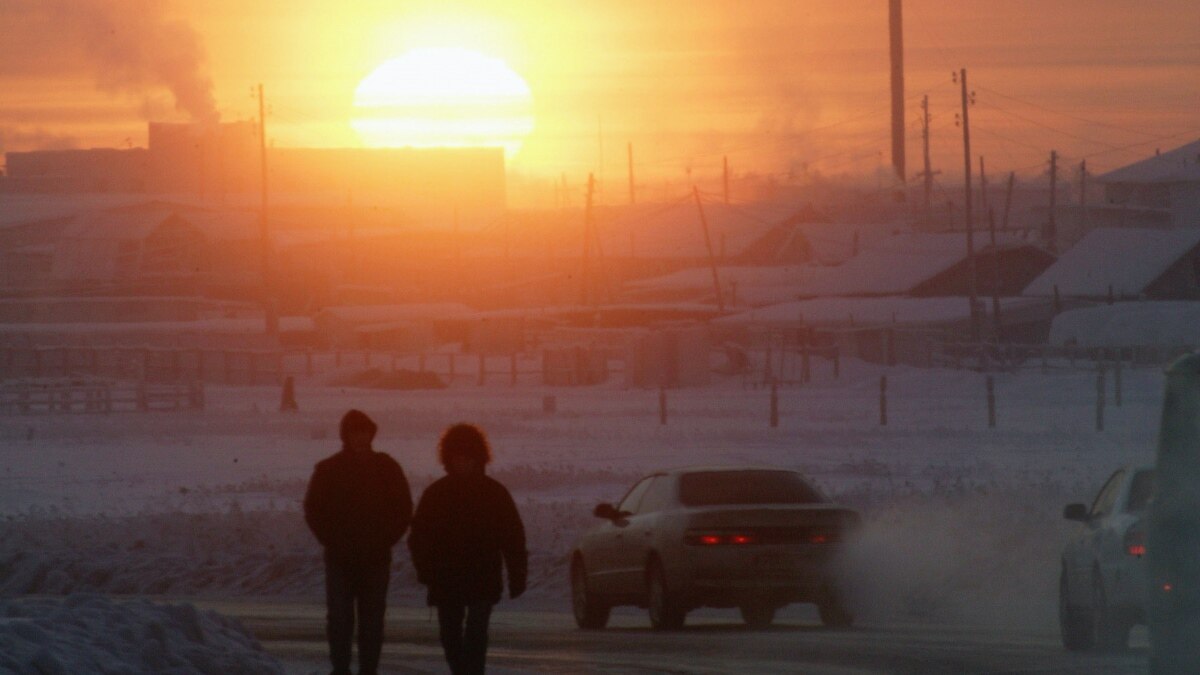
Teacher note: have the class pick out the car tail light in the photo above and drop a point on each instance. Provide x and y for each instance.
(721, 539)
(1135, 543)
(818, 538)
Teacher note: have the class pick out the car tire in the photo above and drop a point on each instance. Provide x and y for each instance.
(758, 614)
(1074, 622)
(590, 612)
(1111, 630)
(833, 610)
(666, 613)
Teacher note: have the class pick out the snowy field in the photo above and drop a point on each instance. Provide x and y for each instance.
(963, 522)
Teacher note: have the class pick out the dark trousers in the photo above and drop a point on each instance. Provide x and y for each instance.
(465, 645)
(349, 588)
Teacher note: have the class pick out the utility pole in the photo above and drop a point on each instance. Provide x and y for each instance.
(585, 276)
(272, 320)
(974, 281)
(712, 261)
(927, 175)
(1051, 233)
(629, 151)
(983, 187)
(725, 164)
(995, 276)
(1083, 196)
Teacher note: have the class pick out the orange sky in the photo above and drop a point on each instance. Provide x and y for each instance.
(776, 84)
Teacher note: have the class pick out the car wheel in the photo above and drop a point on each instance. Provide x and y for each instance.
(1073, 621)
(832, 608)
(1110, 629)
(590, 613)
(665, 611)
(758, 615)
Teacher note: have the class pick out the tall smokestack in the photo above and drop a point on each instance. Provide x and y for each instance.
(896, 25)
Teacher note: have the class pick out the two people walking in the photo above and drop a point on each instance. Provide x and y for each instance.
(465, 529)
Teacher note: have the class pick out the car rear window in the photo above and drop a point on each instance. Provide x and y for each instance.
(1141, 490)
(715, 488)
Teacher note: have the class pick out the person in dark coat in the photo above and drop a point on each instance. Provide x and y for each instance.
(466, 527)
(358, 505)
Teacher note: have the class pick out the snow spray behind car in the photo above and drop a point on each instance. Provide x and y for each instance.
(1173, 543)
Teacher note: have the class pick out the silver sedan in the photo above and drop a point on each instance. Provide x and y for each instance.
(752, 538)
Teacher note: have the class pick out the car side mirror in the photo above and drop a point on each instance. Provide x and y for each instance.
(606, 511)
(1076, 512)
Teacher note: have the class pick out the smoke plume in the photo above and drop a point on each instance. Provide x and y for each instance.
(124, 46)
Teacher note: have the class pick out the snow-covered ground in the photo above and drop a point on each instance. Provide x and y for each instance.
(94, 634)
(963, 522)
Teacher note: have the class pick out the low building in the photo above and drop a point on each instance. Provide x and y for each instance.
(1115, 263)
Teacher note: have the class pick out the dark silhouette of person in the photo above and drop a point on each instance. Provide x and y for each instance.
(466, 525)
(358, 505)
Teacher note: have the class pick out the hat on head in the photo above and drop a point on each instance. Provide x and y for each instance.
(355, 421)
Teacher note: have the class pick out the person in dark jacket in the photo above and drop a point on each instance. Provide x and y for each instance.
(465, 528)
(358, 505)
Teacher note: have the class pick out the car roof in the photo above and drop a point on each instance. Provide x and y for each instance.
(721, 468)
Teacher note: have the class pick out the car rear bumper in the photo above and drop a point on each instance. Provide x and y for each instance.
(782, 575)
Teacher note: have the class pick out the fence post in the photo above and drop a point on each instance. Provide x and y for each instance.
(143, 399)
(662, 405)
(805, 369)
(774, 405)
(891, 347)
(883, 419)
(1099, 396)
(991, 402)
(1117, 381)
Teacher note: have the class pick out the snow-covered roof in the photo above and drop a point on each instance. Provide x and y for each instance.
(380, 314)
(1181, 165)
(895, 265)
(865, 312)
(136, 221)
(287, 324)
(1130, 324)
(1126, 259)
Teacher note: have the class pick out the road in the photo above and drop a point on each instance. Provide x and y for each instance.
(547, 642)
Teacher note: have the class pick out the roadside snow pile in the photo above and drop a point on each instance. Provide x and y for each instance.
(93, 634)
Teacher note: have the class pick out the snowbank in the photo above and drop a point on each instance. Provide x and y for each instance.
(1169, 324)
(93, 634)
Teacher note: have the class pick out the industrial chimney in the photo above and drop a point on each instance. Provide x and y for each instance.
(896, 26)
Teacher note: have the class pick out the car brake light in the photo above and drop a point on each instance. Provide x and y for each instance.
(719, 539)
(1135, 543)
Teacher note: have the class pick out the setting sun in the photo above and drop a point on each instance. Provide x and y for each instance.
(437, 97)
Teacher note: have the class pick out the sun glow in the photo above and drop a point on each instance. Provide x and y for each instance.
(438, 97)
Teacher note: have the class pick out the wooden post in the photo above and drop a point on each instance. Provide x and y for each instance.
(1117, 381)
(805, 367)
(774, 405)
(143, 398)
(662, 406)
(708, 245)
(991, 402)
(891, 346)
(482, 369)
(883, 419)
(1099, 396)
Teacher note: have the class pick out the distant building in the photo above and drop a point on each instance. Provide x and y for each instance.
(220, 162)
(1126, 263)
(1158, 192)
